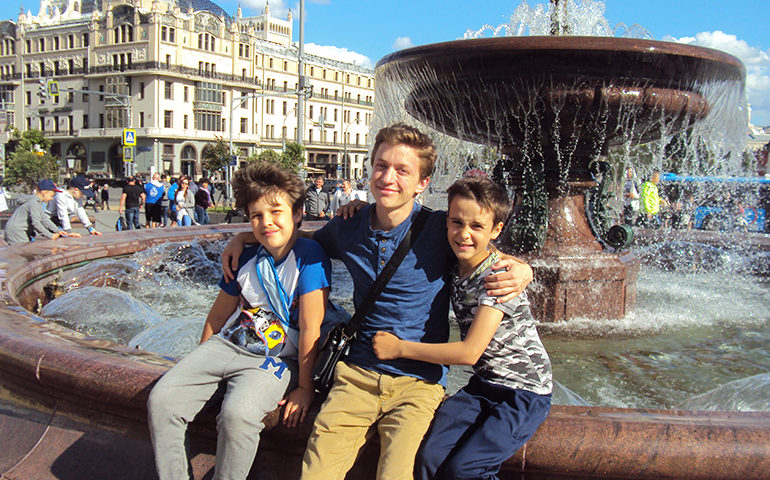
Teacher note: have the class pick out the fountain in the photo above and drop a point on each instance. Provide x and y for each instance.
(552, 106)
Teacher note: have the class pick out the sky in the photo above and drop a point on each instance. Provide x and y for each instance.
(363, 31)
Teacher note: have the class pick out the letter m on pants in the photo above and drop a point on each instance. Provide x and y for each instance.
(276, 366)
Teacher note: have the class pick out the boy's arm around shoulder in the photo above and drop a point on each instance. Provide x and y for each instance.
(509, 283)
(465, 352)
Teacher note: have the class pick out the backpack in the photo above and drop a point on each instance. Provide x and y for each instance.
(121, 224)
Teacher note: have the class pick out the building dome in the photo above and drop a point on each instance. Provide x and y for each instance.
(198, 5)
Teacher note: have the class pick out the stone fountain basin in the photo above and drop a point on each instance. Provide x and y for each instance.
(75, 406)
(493, 90)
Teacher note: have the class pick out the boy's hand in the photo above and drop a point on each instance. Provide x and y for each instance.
(74, 235)
(510, 283)
(347, 211)
(386, 346)
(296, 406)
(230, 256)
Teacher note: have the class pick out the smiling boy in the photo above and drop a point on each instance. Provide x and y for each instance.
(259, 339)
(509, 396)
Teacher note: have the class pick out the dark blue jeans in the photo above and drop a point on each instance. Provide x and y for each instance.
(477, 429)
(132, 218)
(201, 215)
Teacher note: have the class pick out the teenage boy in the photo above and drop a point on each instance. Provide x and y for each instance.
(261, 331)
(399, 396)
(509, 395)
(30, 221)
(67, 203)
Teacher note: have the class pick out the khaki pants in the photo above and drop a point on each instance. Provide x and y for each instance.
(401, 406)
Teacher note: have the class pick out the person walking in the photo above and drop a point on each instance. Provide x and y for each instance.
(317, 201)
(105, 196)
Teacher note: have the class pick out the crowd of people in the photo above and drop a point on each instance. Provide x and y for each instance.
(167, 202)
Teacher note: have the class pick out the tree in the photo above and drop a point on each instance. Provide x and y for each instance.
(293, 156)
(29, 160)
(290, 159)
(215, 156)
(27, 168)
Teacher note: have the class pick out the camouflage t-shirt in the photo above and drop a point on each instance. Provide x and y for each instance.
(515, 357)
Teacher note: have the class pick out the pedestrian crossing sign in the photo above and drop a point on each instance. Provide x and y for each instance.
(129, 137)
(128, 154)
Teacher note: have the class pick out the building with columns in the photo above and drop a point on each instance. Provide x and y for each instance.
(184, 73)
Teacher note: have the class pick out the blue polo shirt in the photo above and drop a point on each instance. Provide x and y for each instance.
(415, 303)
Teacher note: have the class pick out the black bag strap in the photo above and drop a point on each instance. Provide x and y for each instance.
(387, 272)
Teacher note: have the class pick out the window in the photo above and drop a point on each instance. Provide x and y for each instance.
(141, 90)
(284, 108)
(141, 119)
(172, 35)
(244, 125)
(85, 121)
(101, 89)
(29, 46)
(168, 119)
(85, 40)
(29, 98)
(56, 46)
(185, 94)
(85, 65)
(164, 34)
(184, 122)
(168, 60)
(41, 45)
(101, 120)
(206, 41)
(169, 90)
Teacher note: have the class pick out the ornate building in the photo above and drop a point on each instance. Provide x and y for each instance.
(183, 72)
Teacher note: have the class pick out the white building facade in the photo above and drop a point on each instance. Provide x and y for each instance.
(192, 74)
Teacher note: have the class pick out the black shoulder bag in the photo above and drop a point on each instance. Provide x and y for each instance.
(337, 343)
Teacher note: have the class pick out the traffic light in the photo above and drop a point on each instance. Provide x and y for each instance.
(43, 91)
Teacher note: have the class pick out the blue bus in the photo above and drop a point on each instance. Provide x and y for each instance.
(717, 203)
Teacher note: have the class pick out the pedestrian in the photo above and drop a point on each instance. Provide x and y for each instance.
(105, 195)
(185, 203)
(71, 201)
(203, 202)
(153, 191)
(317, 201)
(164, 200)
(30, 221)
(131, 200)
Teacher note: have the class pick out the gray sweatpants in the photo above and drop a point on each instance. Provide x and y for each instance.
(254, 386)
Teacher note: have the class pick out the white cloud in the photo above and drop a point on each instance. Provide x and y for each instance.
(339, 54)
(278, 8)
(402, 42)
(757, 64)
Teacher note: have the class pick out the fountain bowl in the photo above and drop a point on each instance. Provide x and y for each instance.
(75, 405)
(487, 90)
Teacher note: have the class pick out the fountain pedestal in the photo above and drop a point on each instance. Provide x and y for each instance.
(574, 277)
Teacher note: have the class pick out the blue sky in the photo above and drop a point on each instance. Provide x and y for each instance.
(366, 30)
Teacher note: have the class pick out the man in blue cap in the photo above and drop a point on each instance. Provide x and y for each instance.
(29, 221)
(70, 202)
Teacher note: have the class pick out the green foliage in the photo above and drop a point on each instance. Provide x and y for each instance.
(26, 168)
(215, 156)
(26, 141)
(290, 159)
(293, 157)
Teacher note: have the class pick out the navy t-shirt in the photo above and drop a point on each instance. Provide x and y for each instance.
(415, 303)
